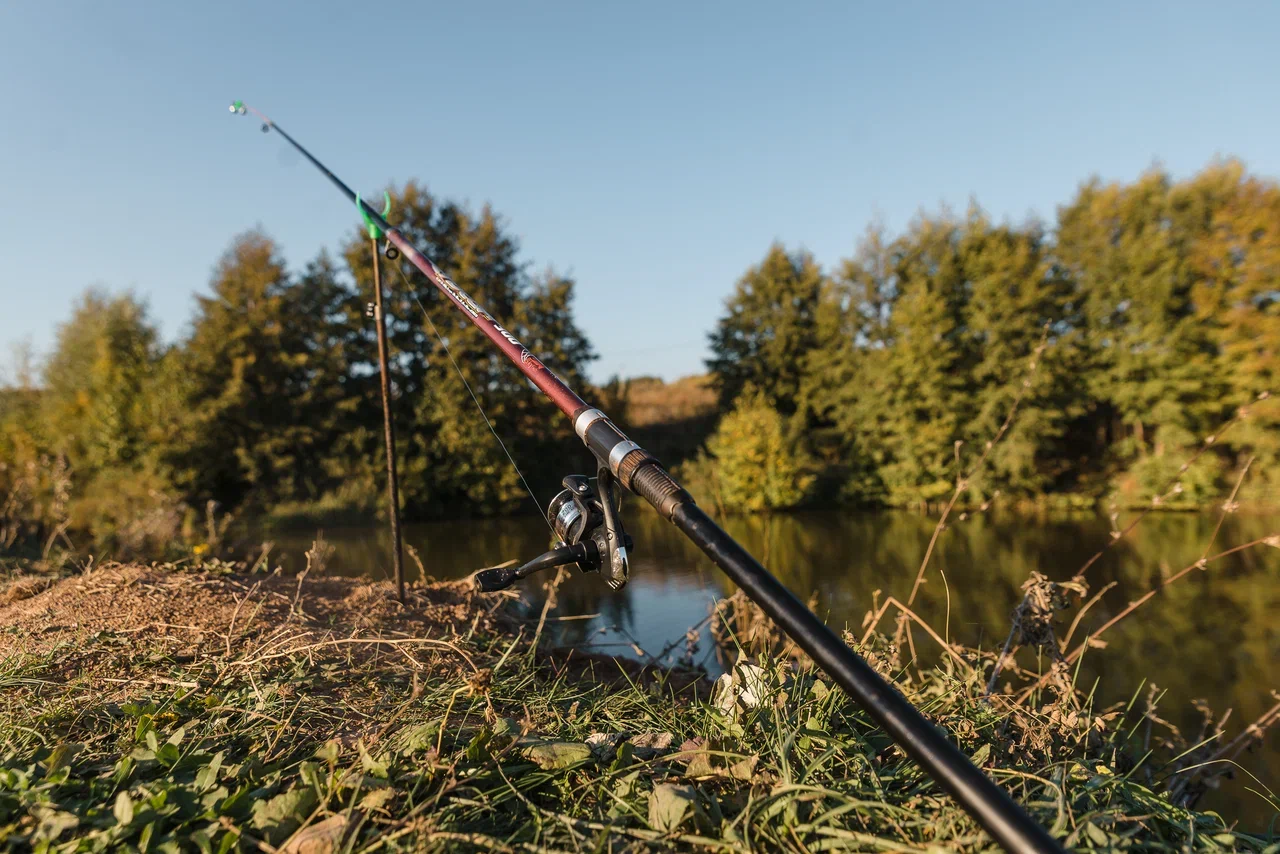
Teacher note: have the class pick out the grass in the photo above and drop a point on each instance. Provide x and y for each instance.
(179, 708)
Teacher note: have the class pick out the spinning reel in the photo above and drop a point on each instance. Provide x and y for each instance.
(588, 528)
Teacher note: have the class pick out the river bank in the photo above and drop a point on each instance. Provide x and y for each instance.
(166, 707)
(1199, 636)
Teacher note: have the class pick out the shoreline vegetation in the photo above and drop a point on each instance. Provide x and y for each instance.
(204, 704)
(1135, 336)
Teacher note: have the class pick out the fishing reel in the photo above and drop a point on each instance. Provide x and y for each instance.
(587, 523)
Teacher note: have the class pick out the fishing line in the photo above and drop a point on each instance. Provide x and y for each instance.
(408, 287)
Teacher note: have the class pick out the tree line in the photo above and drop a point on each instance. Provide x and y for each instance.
(269, 403)
(1126, 333)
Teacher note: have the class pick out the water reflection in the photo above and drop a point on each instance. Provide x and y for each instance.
(1213, 635)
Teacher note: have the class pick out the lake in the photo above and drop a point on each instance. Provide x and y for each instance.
(1214, 635)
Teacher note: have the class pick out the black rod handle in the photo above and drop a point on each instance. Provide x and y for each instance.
(991, 805)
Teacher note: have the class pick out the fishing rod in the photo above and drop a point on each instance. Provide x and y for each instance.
(586, 517)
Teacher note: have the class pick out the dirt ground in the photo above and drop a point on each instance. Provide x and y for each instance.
(188, 615)
(159, 617)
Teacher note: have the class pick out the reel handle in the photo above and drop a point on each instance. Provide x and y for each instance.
(498, 578)
(502, 577)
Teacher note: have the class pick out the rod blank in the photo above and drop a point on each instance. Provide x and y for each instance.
(1008, 823)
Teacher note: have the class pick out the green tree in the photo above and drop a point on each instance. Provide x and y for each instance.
(1237, 298)
(852, 317)
(1016, 299)
(756, 463)
(24, 482)
(451, 462)
(1236, 264)
(852, 325)
(260, 380)
(94, 382)
(769, 328)
(1151, 364)
(905, 401)
(926, 341)
(81, 452)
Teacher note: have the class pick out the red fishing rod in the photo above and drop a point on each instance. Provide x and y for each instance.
(586, 518)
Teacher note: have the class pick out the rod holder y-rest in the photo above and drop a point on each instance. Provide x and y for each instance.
(375, 231)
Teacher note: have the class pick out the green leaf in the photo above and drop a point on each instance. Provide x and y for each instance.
(236, 803)
(123, 809)
(624, 788)
(557, 754)
(504, 726)
(418, 737)
(369, 764)
(329, 751)
(228, 842)
(626, 785)
(208, 775)
(981, 755)
(699, 765)
(53, 823)
(309, 772)
(321, 838)
(744, 769)
(669, 804)
(476, 748)
(59, 757)
(625, 753)
(377, 798)
(281, 815)
(124, 767)
(1097, 835)
(144, 838)
(168, 753)
(212, 801)
(202, 841)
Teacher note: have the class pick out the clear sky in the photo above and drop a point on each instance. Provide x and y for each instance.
(652, 150)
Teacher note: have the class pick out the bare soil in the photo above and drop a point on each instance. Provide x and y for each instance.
(184, 616)
(179, 616)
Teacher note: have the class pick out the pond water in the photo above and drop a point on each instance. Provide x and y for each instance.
(1214, 635)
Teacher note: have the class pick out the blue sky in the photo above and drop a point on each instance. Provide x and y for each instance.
(652, 150)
